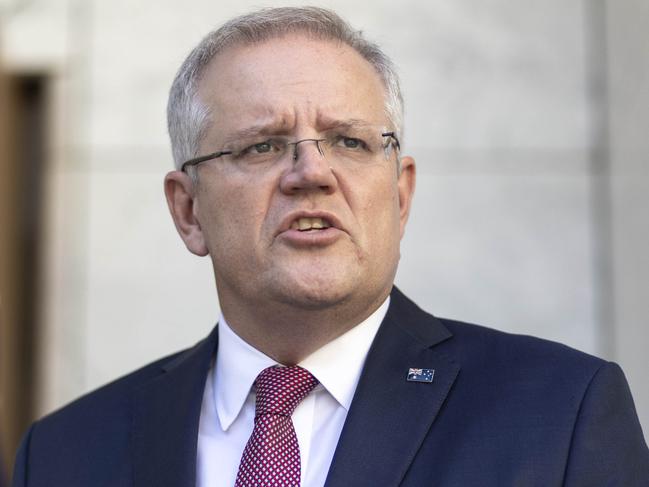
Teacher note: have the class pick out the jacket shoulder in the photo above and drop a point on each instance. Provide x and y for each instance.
(68, 446)
(478, 343)
(484, 347)
(111, 395)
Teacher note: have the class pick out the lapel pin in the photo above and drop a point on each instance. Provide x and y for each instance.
(420, 375)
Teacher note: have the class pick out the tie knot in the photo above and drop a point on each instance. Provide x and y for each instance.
(280, 389)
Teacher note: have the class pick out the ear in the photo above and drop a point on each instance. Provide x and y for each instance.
(406, 188)
(180, 192)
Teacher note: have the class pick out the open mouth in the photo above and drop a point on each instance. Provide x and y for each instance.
(305, 224)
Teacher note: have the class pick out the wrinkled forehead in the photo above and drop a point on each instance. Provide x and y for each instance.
(292, 77)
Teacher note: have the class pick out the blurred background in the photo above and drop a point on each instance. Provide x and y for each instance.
(528, 121)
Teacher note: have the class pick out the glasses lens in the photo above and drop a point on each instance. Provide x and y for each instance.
(358, 145)
(257, 152)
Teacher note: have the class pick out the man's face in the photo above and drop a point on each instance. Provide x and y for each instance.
(245, 219)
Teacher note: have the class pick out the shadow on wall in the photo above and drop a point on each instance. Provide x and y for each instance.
(22, 162)
(4, 481)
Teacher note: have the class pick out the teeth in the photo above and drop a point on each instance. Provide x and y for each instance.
(304, 224)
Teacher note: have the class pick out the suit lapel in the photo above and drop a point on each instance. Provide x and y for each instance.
(166, 418)
(390, 417)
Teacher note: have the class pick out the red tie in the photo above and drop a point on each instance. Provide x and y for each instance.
(272, 455)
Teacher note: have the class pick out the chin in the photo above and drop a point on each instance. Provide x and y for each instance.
(313, 292)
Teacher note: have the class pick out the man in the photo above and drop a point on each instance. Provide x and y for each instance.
(285, 127)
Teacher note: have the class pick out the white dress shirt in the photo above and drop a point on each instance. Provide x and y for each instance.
(228, 410)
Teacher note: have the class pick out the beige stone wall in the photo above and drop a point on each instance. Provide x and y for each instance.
(628, 75)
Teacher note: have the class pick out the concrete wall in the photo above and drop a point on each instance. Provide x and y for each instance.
(628, 75)
(522, 221)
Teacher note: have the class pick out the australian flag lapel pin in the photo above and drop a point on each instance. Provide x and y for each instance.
(420, 375)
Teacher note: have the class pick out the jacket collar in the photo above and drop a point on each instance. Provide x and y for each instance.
(166, 415)
(390, 416)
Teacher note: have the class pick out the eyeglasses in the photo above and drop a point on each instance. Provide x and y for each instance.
(354, 146)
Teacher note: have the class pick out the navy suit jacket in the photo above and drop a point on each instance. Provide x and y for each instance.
(502, 410)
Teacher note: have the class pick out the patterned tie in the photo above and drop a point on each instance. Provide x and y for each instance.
(272, 455)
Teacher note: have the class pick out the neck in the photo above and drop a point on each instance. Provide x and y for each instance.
(288, 334)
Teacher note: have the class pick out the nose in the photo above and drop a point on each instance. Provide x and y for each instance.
(310, 170)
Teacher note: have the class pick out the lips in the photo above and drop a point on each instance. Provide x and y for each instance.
(310, 223)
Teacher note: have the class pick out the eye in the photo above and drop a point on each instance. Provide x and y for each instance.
(260, 148)
(256, 150)
(350, 143)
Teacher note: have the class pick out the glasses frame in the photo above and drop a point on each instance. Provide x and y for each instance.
(215, 155)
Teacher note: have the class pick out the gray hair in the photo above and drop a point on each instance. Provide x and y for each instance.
(188, 117)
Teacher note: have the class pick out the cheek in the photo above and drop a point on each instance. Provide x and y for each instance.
(378, 195)
(379, 215)
(231, 216)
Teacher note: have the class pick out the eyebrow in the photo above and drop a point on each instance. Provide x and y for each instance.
(349, 123)
(280, 127)
(257, 129)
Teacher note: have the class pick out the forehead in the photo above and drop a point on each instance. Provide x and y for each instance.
(294, 79)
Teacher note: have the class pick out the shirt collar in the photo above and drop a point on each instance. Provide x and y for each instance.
(237, 366)
(337, 365)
